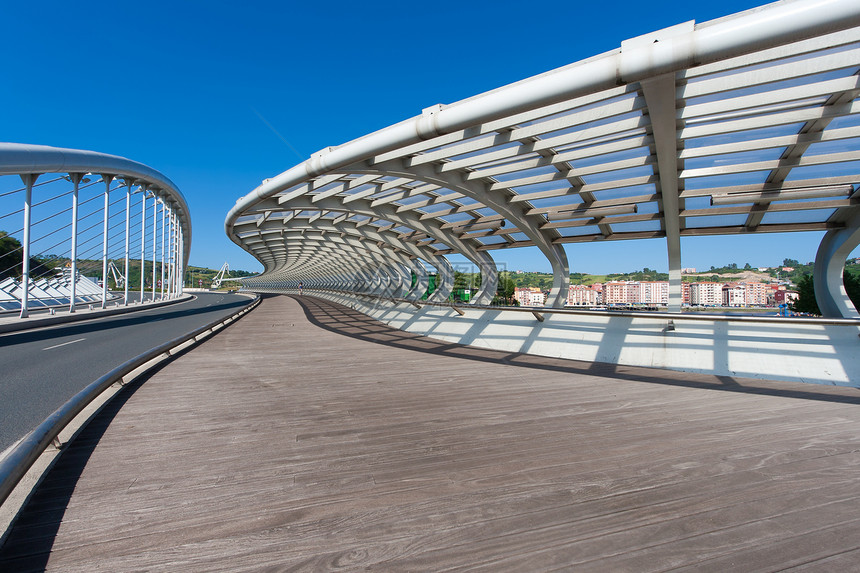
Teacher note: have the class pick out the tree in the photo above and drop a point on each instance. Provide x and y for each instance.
(10, 256)
(506, 288)
(806, 293)
(806, 297)
(747, 267)
(790, 263)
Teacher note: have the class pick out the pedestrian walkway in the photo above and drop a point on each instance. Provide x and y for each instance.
(307, 436)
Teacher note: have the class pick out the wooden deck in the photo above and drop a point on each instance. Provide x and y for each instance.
(309, 437)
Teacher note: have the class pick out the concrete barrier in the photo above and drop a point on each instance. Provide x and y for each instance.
(795, 349)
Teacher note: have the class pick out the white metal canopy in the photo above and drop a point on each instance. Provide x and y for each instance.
(745, 124)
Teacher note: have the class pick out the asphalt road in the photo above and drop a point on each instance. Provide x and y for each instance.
(41, 369)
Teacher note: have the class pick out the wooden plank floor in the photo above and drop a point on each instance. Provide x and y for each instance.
(313, 438)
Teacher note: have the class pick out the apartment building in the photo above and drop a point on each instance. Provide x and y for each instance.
(654, 293)
(755, 294)
(530, 296)
(620, 293)
(706, 294)
(581, 295)
(734, 295)
(650, 293)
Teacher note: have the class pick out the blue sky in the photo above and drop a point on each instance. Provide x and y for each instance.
(199, 89)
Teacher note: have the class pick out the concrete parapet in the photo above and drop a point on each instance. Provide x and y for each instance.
(801, 350)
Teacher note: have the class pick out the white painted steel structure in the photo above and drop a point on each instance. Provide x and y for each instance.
(746, 124)
(79, 240)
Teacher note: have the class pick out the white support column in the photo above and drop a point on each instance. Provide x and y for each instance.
(107, 179)
(127, 238)
(421, 280)
(76, 181)
(171, 273)
(154, 233)
(180, 262)
(444, 280)
(163, 249)
(660, 98)
(29, 179)
(837, 244)
(142, 241)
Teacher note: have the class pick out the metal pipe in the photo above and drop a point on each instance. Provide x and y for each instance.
(107, 179)
(127, 238)
(142, 240)
(28, 179)
(163, 220)
(154, 232)
(76, 180)
(180, 262)
(170, 253)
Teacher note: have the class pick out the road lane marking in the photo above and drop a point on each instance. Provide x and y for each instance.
(63, 344)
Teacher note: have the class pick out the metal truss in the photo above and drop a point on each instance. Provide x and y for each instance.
(746, 124)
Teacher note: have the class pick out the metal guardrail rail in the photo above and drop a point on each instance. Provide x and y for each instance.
(22, 457)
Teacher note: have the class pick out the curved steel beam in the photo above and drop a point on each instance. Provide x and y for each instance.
(18, 158)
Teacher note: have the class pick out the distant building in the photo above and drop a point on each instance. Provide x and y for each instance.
(581, 295)
(734, 295)
(788, 297)
(706, 294)
(654, 293)
(620, 293)
(688, 271)
(629, 293)
(530, 296)
(755, 293)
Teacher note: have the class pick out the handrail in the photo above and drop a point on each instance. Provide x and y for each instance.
(25, 453)
(628, 313)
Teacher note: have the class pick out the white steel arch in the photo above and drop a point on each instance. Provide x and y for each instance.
(746, 124)
(30, 162)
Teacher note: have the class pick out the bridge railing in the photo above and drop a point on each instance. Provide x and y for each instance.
(76, 225)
